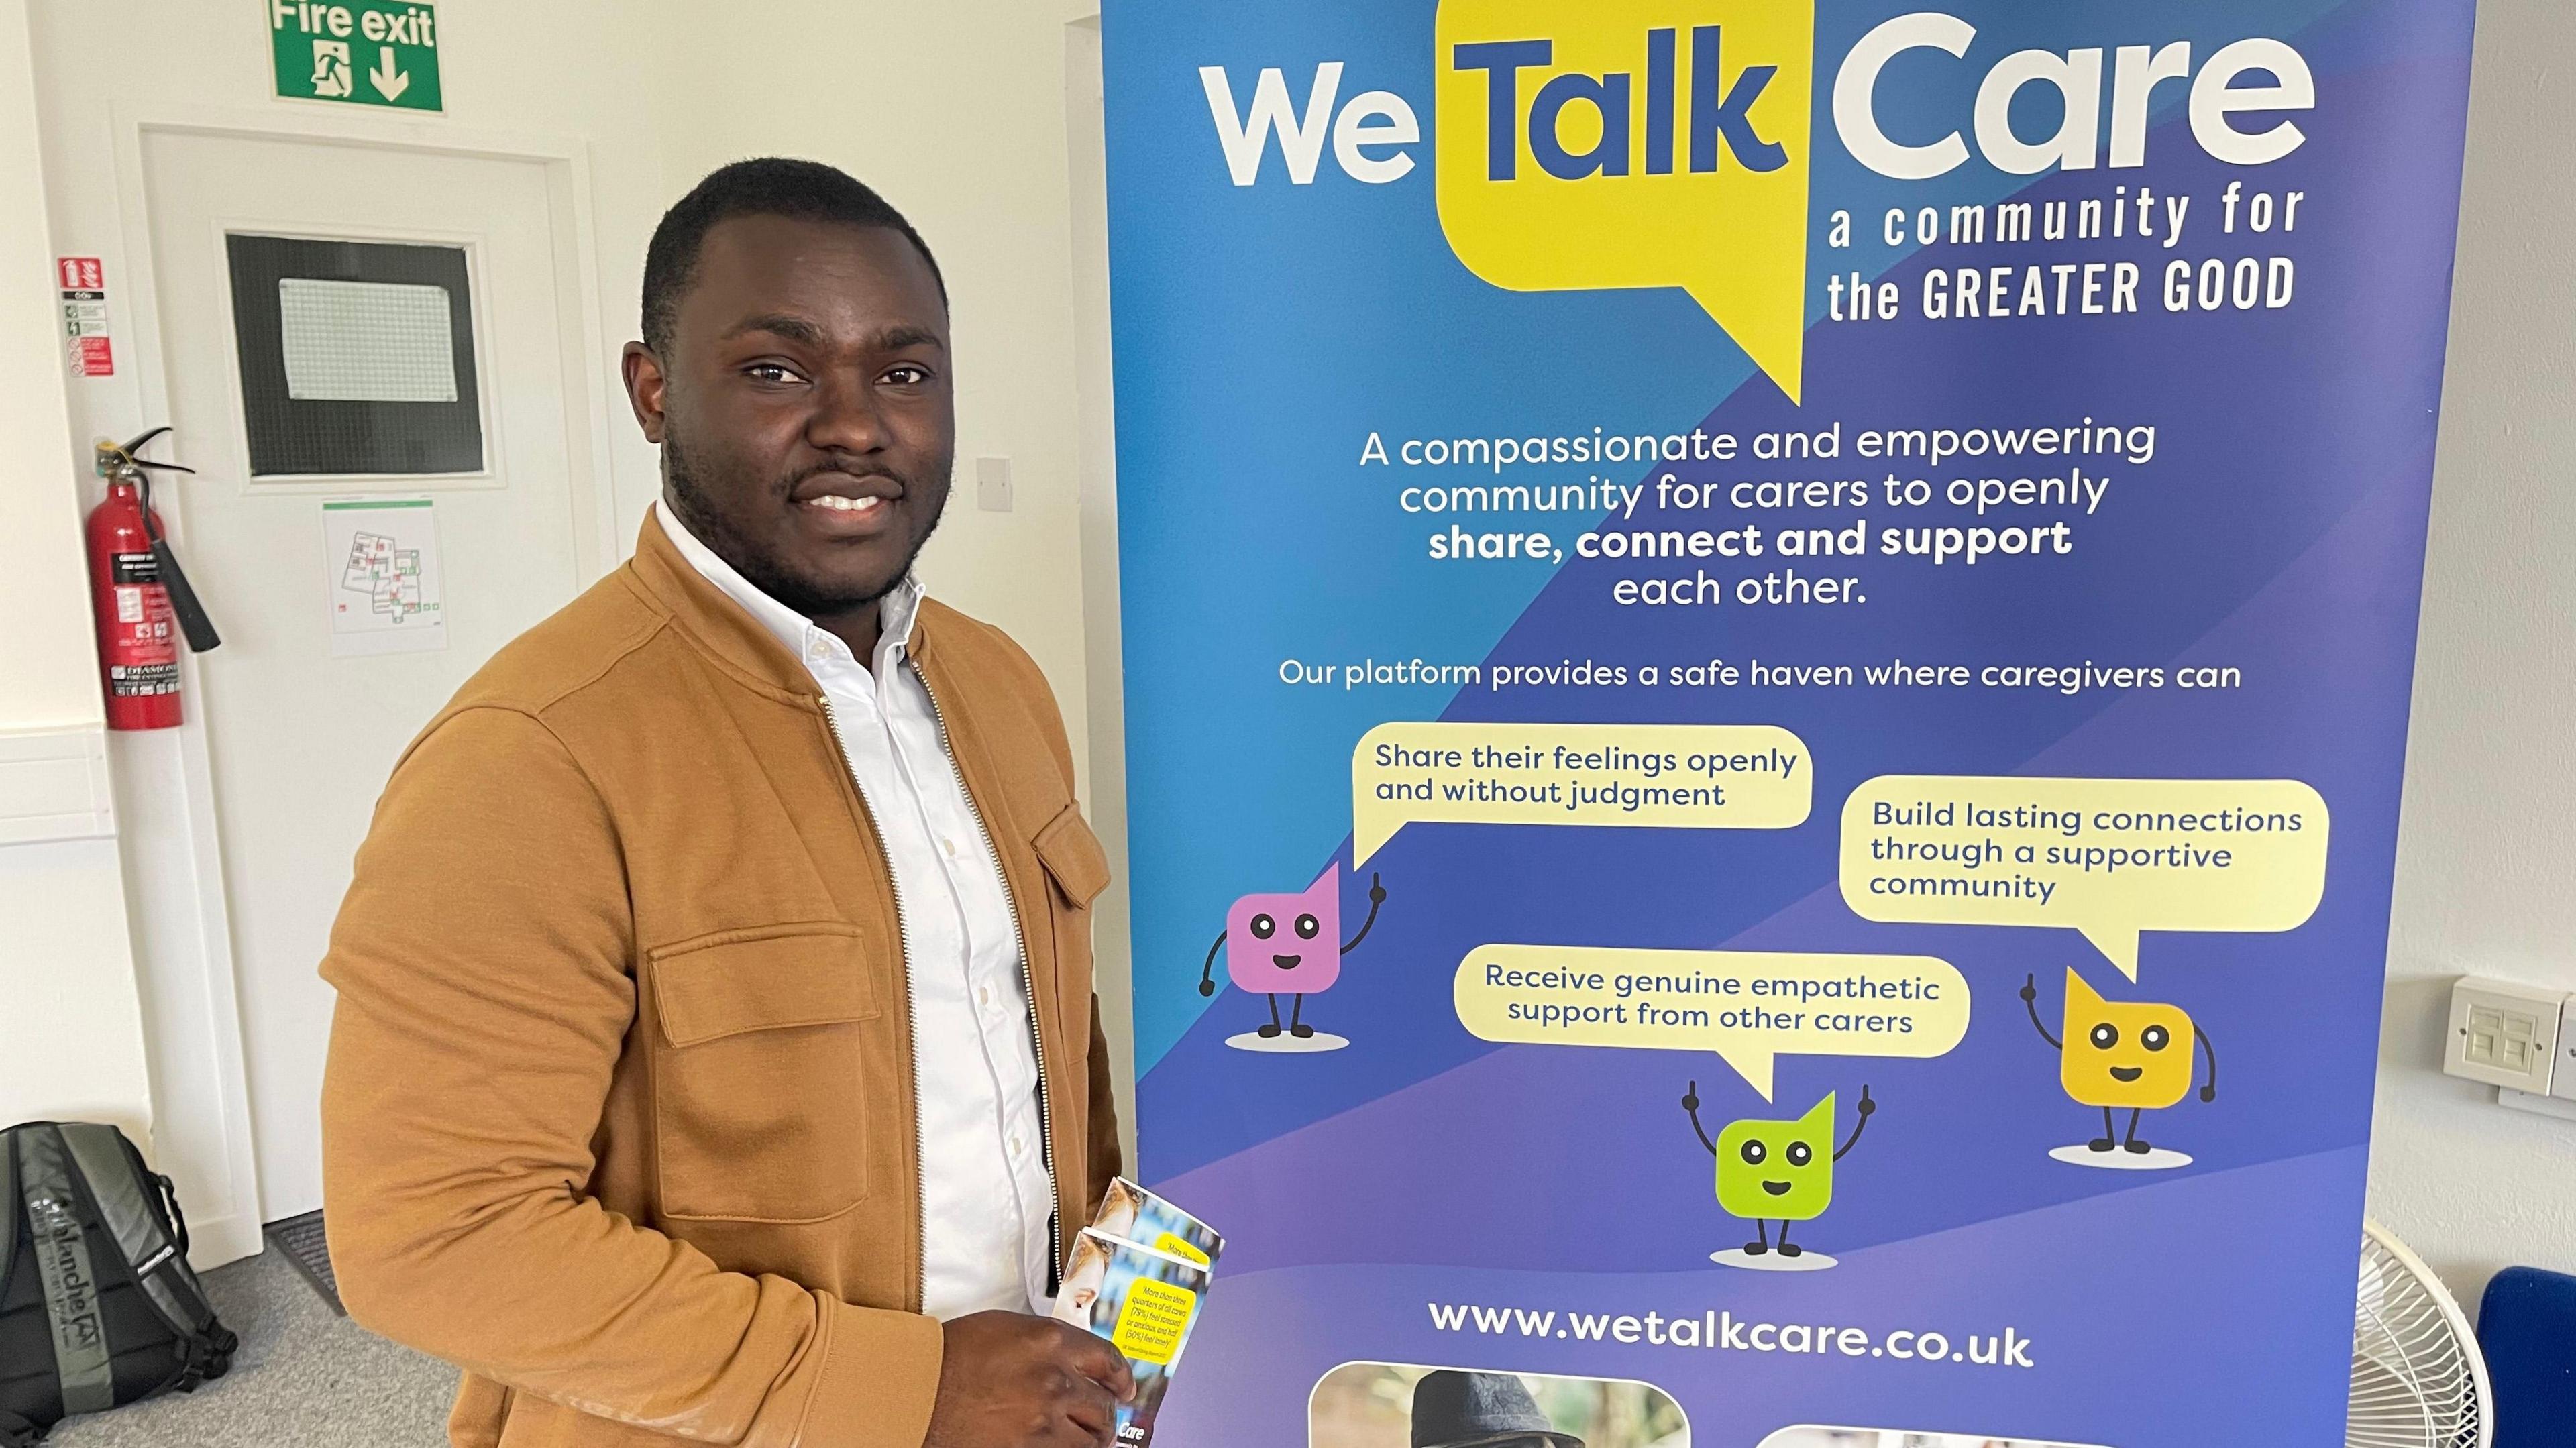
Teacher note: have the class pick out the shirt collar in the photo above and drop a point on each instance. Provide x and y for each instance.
(810, 643)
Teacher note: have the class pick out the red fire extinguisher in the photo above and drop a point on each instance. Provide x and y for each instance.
(143, 601)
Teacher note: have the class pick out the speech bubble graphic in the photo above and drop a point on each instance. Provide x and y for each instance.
(1153, 1319)
(1669, 776)
(1750, 1007)
(1634, 143)
(2106, 857)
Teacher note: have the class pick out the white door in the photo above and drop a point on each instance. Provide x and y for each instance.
(302, 734)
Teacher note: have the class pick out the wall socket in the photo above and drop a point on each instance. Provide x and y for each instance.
(993, 484)
(2507, 1035)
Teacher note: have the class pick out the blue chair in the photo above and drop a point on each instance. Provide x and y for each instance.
(2527, 1328)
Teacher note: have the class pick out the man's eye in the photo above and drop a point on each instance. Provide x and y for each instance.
(769, 372)
(908, 375)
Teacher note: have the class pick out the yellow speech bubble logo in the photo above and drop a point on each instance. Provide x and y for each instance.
(1670, 776)
(1152, 1320)
(1587, 144)
(1750, 1007)
(2106, 857)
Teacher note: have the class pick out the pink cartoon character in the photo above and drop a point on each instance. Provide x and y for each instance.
(1284, 945)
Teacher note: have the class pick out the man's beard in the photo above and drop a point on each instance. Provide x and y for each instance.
(688, 498)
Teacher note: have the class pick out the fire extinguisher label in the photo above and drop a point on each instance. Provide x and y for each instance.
(129, 681)
(143, 659)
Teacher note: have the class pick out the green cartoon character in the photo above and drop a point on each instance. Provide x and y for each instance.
(1779, 1171)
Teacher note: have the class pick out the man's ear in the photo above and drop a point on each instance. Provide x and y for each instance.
(644, 383)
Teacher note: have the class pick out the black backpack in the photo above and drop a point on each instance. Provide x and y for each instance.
(98, 1306)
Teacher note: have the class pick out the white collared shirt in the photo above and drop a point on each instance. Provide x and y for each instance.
(987, 1241)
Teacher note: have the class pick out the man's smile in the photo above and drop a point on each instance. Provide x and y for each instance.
(846, 506)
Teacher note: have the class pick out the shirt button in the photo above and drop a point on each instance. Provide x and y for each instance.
(983, 995)
(1017, 1146)
(950, 846)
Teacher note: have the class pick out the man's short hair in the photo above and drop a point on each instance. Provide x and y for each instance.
(764, 186)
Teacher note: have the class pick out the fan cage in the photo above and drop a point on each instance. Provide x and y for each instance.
(2418, 1380)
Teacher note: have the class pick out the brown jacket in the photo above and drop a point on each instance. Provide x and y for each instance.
(619, 1111)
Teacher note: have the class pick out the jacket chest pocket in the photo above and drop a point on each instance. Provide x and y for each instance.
(770, 1059)
(1077, 870)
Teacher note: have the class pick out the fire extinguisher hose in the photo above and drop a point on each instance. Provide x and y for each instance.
(193, 622)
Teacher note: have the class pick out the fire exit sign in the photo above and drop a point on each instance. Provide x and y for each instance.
(361, 52)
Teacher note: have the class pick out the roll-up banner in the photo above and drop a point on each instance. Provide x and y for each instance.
(1767, 650)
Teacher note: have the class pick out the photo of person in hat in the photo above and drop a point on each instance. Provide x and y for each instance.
(1406, 1405)
(1453, 1409)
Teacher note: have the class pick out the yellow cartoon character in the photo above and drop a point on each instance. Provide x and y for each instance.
(2120, 1053)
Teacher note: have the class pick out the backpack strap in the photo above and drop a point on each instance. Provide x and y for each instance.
(65, 1272)
(141, 1210)
(8, 1211)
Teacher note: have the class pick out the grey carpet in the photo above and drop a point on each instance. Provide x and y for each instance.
(304, 1378)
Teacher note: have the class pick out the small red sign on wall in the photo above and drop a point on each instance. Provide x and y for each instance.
(83, 282)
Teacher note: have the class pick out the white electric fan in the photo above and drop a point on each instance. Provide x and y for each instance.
(2418, 1380)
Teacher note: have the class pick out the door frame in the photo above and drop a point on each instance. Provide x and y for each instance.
(192, 1008)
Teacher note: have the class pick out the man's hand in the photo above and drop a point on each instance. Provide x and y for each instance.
(1009, 1380)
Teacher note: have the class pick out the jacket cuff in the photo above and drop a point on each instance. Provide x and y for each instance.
(878, 1382)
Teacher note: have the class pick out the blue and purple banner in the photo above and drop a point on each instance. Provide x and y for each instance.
(1767, 654)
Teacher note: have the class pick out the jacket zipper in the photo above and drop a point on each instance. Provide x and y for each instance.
(1028, 990)
(911, 1027)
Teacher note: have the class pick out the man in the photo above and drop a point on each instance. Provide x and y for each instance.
(1453, 1409)
(716, 1055)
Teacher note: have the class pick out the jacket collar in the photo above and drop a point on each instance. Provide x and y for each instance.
(723, 626)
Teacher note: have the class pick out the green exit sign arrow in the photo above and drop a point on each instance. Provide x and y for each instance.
(357, 52)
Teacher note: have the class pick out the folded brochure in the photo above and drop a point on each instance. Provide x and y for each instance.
(1142, 1298)
(1132, 1214)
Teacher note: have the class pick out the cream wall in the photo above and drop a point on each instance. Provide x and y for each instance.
(2486, 877)
(46, 653)
(71, 1038)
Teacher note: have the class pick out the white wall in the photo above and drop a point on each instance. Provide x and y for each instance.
(1086, 141)
(2486, 877)
(71, 1039)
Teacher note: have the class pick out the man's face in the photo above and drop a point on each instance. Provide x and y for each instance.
(805, 412)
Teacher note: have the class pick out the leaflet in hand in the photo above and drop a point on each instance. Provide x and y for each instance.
(1132, 1214)
(1144, 1302)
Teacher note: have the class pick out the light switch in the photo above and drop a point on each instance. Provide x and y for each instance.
(993, 484)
